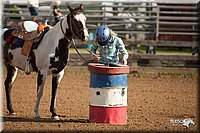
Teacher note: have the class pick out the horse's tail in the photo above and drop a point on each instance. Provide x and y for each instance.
(2, 35)
(4, 30)
(6, 39)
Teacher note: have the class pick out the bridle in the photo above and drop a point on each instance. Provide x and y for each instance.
(72, 26)
(79, 31)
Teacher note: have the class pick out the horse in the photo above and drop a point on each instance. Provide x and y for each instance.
(50, 57)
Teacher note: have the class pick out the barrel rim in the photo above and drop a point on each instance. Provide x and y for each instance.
(105, 69)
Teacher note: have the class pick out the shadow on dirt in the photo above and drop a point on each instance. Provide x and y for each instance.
(47, 120)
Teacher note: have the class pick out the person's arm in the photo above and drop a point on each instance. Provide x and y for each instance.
(93, 50)
(56, 11)
(123, 51)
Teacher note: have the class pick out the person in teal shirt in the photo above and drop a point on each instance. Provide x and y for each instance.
(109, 45)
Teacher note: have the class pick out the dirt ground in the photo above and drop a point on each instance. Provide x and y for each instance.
(158, 101)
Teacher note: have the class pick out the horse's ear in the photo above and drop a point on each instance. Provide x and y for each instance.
(81, 7)
(70, 8)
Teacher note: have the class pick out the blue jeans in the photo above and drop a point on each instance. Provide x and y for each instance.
(33, 11)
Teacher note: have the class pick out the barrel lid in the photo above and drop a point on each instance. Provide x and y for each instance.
(105, 69)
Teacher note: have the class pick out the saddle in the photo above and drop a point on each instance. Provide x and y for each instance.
(30, 32)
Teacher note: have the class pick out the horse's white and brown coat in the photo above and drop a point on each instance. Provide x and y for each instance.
(50, 57)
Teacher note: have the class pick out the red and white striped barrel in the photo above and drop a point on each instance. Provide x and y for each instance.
(108, 94)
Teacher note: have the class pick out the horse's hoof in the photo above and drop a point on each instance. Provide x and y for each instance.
(13, 113)
(55, 118)
(27, 73)
(37, 118)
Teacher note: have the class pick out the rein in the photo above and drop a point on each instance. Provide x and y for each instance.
(72, 41)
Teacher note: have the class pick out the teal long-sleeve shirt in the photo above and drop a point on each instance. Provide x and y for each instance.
(109, 53)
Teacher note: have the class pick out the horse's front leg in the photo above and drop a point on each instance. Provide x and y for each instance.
(40, 86)
(55, 83)
(11, 75)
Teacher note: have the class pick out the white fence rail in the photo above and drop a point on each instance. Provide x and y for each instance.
(133, 20)
(147, 24)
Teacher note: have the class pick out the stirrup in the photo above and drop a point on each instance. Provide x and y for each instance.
(27, 67)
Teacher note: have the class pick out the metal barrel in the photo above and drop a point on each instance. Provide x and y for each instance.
(108, 94)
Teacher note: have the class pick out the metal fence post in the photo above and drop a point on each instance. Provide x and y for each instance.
(157, 23)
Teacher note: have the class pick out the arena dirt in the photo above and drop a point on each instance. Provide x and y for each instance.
(158, 100)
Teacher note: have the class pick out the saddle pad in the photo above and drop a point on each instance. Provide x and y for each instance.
(7, 36)
(18, 42)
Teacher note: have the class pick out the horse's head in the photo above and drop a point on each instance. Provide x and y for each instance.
(77, 23)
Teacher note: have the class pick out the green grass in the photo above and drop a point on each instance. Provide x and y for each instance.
(77, 70)
(143, 50)
(165, 73)
(164, 50)
(177, 74)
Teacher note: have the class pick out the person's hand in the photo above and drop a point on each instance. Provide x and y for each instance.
(124, 61)
(96, 57)
(60, 14)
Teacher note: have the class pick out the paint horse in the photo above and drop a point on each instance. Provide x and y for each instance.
(50, 56)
